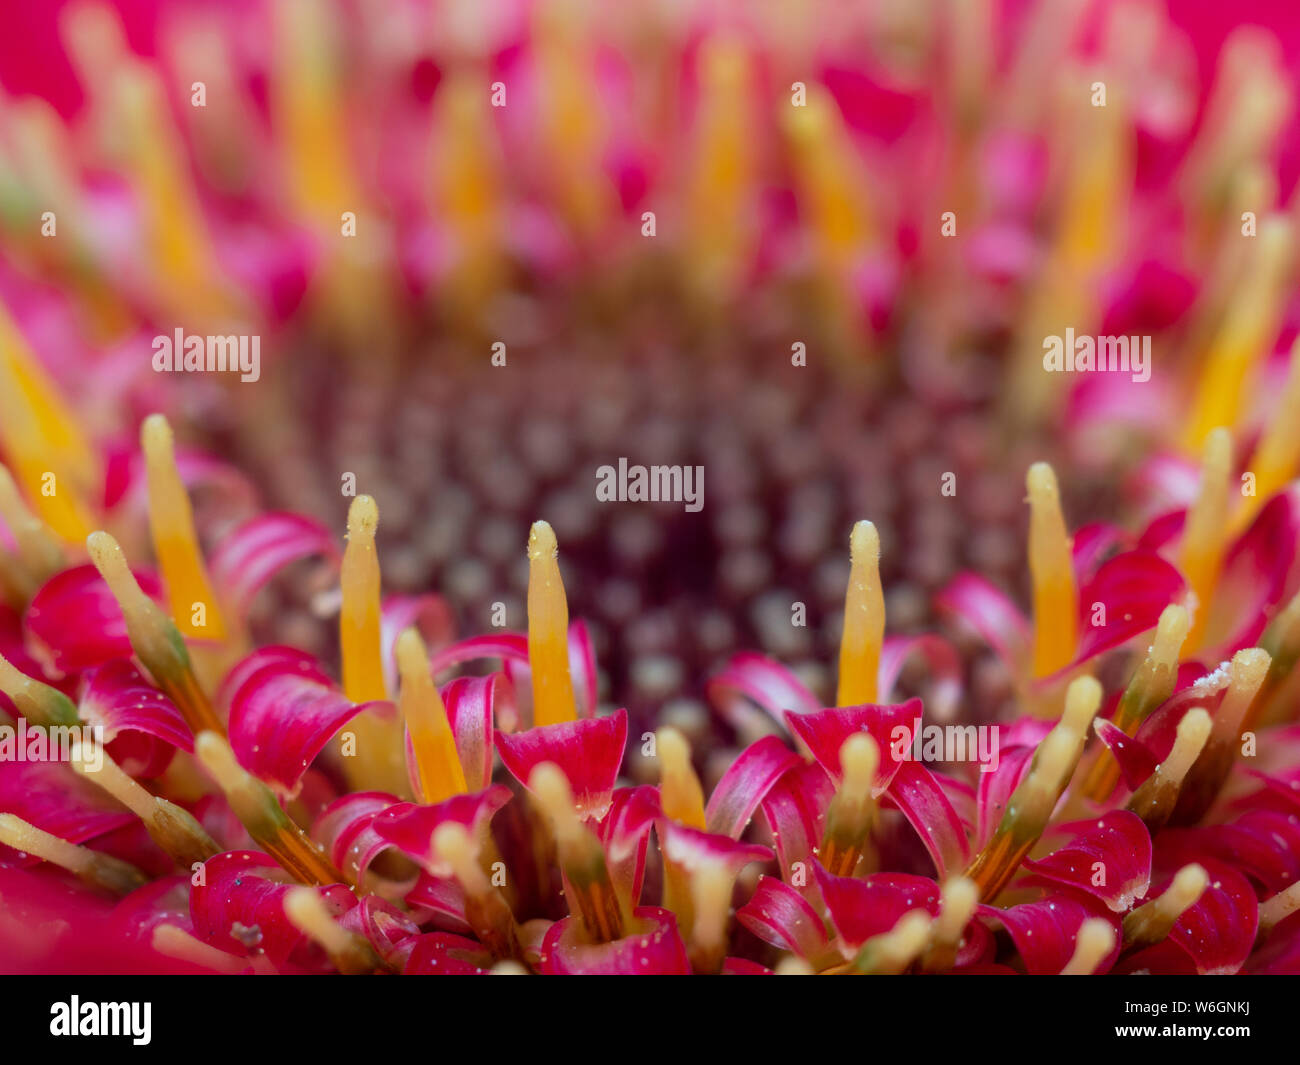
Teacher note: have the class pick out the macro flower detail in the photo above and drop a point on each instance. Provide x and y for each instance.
(320, 651)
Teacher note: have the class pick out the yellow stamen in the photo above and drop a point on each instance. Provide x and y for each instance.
(894, 951)
(1056, 599)
(175, 543)
(548, 631)
(848, 819)
(590, 893)
(679, 788)
(436, 757)
(1151, 685)
(42, 440)
(174, 942)
(38, 548)
(864, 620)
(711, 890)
(1096, 939)
(307, 912)
(309, 110)
(39, 703)
(722, 167)
(1030, 807)
(792, 965)
(174, 829)
(359, 629)
(1157, 798)
(1206, 530)
(958, 898)
(154, 638)
(1151, 922)
(1277, 456)
(1246, 335)
(260, 812)
(101, 870)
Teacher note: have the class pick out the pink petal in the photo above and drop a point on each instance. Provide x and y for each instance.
(743, 786)
(281, 719)
(52, 797)
(944, 668)
(429, 614)
(693, 849)
(750, 678)
(996, 788)
(1136, 762)
(657, 950)
(1045, 932)
(917, 793)
(776, 913)
(240, 906)
(588, 751)
(1254, 578)
(823, 732)
(76, 617)
(625, 832)
(254, 552)
(117, 697)
(387, 929)
(470, 703)
(1119, 842)
(446, 954)
(1219, 931)
(410, 826)
(991, 614)
(506, 646)
(862, 907)
(1134, 588)
(346, 830)
(582, 667)
(795, 811)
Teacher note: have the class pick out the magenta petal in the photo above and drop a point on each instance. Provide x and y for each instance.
(1134, 588)
(117, 697)
(1045, 932)
(943, 662)
(1090, 544)
(996, 788)
(387, 929)
(442, 901)
(1136, 762)
(823, 732)
(272, 659)
(917, 793)
(280, 722)
(776, 913)
(346, 830)
(692, 849)
(447, 954)
(1219, 931)
(410, 826)
(749, 679)
(239, 907)
(795, 811)
(52, 797)
(657, 950)
(470, 703)
(582, 667)
(625, 832)
(1255, 576)
(505, 646)
(588, 751)
(428, 614)
(991, 614)
(76, 617)
(742, 787)
(254, 552)
(862, 907)
(1119, 843)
